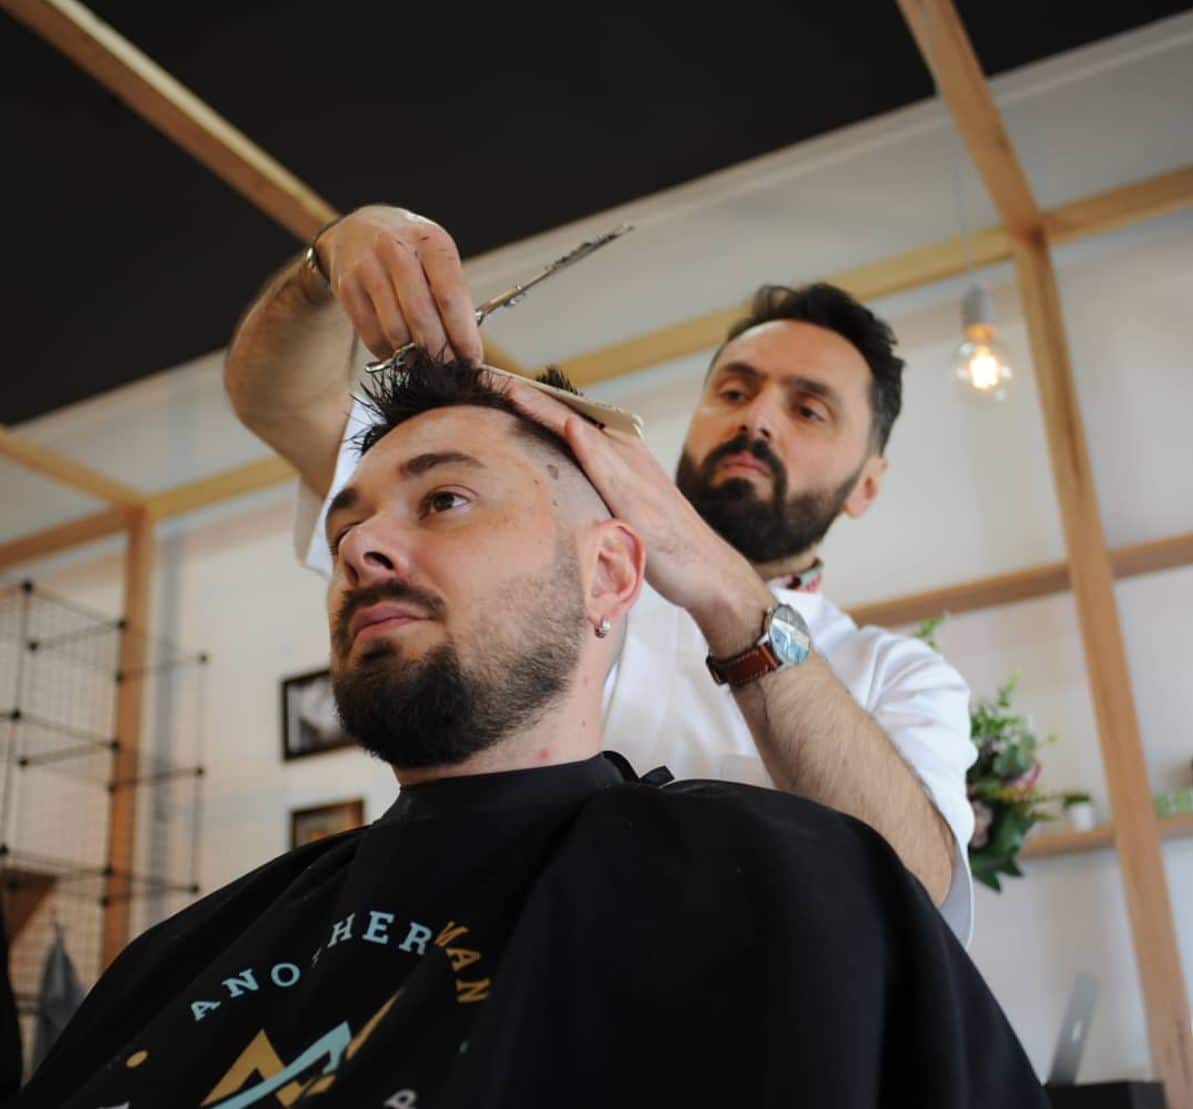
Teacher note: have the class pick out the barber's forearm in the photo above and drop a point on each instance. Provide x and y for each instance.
(289, 373)
(818, 742)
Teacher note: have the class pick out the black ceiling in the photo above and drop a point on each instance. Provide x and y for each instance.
(123, 256)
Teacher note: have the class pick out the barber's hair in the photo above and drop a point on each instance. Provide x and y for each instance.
(421, 383)
(835, 310)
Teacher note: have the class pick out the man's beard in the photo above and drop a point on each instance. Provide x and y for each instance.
(763, 530)
(437, 710)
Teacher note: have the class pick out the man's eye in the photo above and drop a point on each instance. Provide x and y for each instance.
(336, 540)
(442, 500)
(732, 395)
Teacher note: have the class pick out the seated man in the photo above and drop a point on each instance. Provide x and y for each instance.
(529, 924)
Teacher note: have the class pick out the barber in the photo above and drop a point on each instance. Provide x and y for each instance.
(734, 665)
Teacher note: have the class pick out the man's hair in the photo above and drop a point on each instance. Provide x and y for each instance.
(835, 310)
(421, 384)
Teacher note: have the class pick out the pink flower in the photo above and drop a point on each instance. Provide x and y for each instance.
(983, 817)
(1026, 780)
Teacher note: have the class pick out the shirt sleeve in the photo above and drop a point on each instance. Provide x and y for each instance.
(922, 704)
(310, 544)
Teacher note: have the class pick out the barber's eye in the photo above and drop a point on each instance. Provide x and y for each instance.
(442, 500)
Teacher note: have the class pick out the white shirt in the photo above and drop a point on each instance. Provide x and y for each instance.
(662, 707)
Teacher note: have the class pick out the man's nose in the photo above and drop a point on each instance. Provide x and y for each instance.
(760, 418)
(372, 554)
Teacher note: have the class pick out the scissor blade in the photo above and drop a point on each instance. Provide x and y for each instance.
(511, 296)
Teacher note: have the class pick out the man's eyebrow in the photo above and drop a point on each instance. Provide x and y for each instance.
(348, 497)
(421, 463)
(792, 382)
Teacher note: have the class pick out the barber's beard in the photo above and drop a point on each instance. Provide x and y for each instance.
(439, 710)
(764, 529)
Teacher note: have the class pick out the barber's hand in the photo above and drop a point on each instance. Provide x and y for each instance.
(686, 561)
(398, 277)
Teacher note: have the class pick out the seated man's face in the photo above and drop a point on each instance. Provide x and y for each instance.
(455, 607)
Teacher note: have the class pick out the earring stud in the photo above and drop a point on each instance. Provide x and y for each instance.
(602, 629)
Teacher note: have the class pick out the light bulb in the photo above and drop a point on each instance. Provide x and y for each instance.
(981, 364)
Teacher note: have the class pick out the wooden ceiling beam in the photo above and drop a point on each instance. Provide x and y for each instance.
(945, 46)
(62, 537)
(175, 111)
(1136, 833)
(262, 474)
(1020, 585)
(1092, 215)
(51, 464)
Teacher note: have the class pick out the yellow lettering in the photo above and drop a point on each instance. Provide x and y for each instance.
(461, 957)
(472, 991)
(451, 930)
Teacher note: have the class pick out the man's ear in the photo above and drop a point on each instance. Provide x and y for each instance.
(865, 489)
(618, 569)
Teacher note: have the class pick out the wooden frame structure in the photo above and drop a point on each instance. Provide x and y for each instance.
(1026, 236)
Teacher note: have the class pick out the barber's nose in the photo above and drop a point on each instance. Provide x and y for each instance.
(372, 554)
(760, 417)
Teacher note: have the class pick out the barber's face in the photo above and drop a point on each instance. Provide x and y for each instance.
(455, 607)
(779, 444)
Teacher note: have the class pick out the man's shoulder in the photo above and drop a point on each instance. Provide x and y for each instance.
(746, 816)
(243, 897)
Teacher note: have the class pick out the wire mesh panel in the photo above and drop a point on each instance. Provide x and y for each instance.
(59, 683)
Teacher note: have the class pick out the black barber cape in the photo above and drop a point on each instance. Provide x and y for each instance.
(556, 937)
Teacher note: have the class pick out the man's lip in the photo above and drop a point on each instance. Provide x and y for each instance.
(382, 614)
(746, 462)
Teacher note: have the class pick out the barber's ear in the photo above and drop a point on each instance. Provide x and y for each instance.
(865, 489)
(619, 569)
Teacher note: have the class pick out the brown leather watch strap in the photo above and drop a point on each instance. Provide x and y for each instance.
(744, 668)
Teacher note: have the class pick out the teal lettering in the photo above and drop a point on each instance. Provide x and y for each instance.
(416, 937)
(243, 982)
(376, 933)
(202, 1008)
(341, 930)
(292, 975)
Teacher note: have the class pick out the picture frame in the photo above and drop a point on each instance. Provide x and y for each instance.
(310, 724)
(320, 821)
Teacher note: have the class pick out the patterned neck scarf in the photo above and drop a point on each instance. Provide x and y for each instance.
(806, 581)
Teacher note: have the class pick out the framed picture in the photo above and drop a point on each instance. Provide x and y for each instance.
(308, 825)
(310, 723)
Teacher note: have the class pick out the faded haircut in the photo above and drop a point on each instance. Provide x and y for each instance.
(421, 383)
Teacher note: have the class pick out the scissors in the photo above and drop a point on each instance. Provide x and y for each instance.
(515, 294)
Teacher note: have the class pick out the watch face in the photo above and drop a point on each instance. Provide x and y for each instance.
(789, 635)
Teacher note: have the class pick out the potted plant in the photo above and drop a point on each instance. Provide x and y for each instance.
(1001, 783)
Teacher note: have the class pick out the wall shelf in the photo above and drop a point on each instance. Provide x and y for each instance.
(1047, 844)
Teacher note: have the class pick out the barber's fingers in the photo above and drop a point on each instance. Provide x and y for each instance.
(358, 305)
(445, 279)
(601, 454)
(386, 309)
(409, 283)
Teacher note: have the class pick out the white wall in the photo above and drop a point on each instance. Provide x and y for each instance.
(969, 493)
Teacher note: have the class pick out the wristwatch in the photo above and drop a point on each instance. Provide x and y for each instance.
(785, 641)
